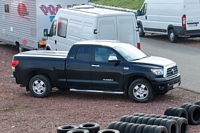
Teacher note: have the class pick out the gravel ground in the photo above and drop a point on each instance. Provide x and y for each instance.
(22, 113)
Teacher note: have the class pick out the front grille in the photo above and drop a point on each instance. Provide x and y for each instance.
(172, 71)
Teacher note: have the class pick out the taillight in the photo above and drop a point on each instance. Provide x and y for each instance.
(15, 63)
(184, 20)
(138, 45)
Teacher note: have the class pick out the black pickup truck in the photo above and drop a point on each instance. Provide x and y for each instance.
(101, 66)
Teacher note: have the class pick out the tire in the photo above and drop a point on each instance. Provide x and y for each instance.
(122, 127)
(146, 129)
(78, 131)
(152, 129)
(167, 111)
(172, 36)
(134, 119)
(111, 125)
(160, 129)
(128, 119)
(128, 127)
(150, 121)
(141, 31)
(40, 86)
(145, 120)
(116, 126)
(140, 128)
(157, 121)
(197, 103)
(133, 128)
(92, 127)
(183, 105)
(139, 120)
(182, 124)
(181, 112)
(172, 112)
(65, 128)
(171, 126)
(140, 90)
(194, 115)
(123, 118)
(108, 131)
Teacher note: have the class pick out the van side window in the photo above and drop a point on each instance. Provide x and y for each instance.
(144, 9)
(83, 53)
(62, 28)
(6, 8)
(52, 31)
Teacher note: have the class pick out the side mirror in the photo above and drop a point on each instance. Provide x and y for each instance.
(113, 59)
(45, 32)
(138, 12)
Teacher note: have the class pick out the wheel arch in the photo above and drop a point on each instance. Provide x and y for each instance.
(34, 73)
(169, 28)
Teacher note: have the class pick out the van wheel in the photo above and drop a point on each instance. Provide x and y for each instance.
(40, 86)
(172, 36)
(141, 31)
(140, 90)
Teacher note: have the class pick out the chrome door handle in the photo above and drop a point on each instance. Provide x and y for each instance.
(95, 65)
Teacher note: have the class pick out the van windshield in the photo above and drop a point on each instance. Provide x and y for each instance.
(129, 52)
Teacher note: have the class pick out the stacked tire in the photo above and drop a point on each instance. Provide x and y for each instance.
(125, 127)
(170, 124)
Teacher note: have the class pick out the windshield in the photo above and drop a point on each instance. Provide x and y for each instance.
(129, 52)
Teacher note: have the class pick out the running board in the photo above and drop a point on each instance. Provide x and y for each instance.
(98, 91)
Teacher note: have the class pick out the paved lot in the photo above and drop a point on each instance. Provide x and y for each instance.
(186, 57)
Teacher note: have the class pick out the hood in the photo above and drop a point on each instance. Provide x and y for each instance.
(154, 60)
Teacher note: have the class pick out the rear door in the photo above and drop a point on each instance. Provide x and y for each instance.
(192, 14)
(106, 75)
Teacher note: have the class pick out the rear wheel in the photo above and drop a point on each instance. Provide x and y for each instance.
(140, 90)
(40, 86)
(141, 31)
(172, 36)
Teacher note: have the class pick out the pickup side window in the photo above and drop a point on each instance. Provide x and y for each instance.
(62, 27)
(53, 28)
(83, 53)
(101, 54)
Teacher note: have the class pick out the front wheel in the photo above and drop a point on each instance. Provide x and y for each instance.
(172, 36)
(140, 90)
(40, 86)
(141, 31)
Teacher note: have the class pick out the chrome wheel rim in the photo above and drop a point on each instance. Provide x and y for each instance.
(172, 36)
(140, 91)
(39, 87)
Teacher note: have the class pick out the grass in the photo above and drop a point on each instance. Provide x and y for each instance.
(130, 4)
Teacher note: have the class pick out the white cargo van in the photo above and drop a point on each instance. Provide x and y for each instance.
(87, 22)
(174, 18)
(22, 21)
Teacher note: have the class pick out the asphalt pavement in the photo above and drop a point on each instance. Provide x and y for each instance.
(186, 57)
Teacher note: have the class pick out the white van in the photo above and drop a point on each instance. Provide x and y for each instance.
(87, 23)
(174, 18)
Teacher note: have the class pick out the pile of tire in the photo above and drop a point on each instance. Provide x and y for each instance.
(181, 121)
(126, 127)
(189, 111)
(170, 124)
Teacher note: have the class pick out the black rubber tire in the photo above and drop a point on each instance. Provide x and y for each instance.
(183, 105)
(150, 121)
(108, 131)
(139, 114)
(157, 121)
(44, 88)
(133, 128)
(140, 128)
(182, 124)
(188, 106)
(141, 31)
(172, 112)
(65, 128)
(139, 120)
(167, 111)
(123, 118)
(146, 128)
(172, 36)
(197, 103)
(162, 122)
(128, 119)
(134, 119)
(128, 127)
(181, 112)
(111, 125)
(116, 126)
(122, 127)
(78, 131)
(160, 129)
(171, 126)
(152, 129)
(91, 126)
(145, 120)
(142, 98)
(194, 115)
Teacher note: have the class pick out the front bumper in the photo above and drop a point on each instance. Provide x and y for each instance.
(12, 79)
(163, 85)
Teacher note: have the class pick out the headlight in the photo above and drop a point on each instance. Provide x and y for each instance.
(157, 71)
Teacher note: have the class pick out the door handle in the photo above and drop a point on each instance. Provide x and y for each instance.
(145, 17)
(95, 66)
(55, 41)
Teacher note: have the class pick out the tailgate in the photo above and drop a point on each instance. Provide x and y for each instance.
(192, 14)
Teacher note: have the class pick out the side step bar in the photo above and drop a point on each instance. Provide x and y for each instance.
(99, 91)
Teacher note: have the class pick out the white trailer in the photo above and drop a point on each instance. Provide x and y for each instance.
(22, 21)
